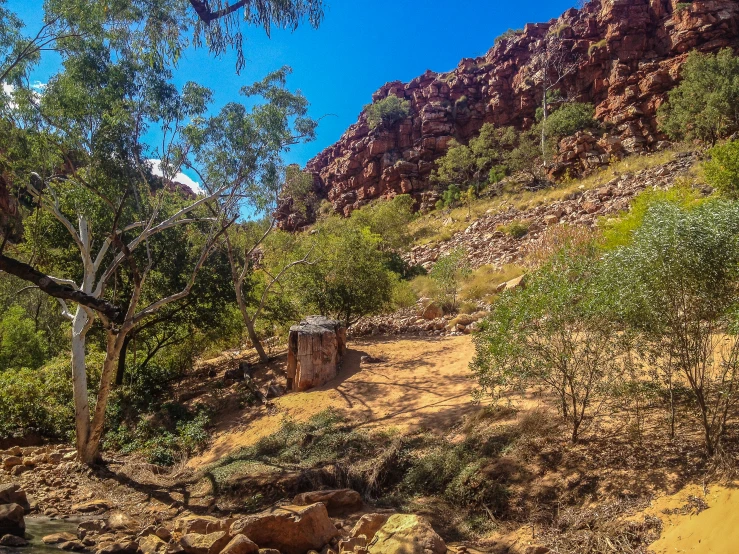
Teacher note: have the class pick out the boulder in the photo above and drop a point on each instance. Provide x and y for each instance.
(212, 543)
(120, 547)
(240, 544)
(289, 529)
(432, 311)
(71, 546)
(337, 502)
(407, 534)
(13, 541)
(56, 538)
(11, 520)
(151, 544)
(14, 494)
(203, 525)
(11, 461)
(368, 525)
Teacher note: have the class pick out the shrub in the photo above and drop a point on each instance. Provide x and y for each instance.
(21, 345)
(722, 170)
(554, 334)
(387, 111)
(448, 273)
(569, 119)
(703, 106)
(676, 285)
(483, 281)
(515, 229)
(449, 198)
(509, 34)
(40, 401)
(597, 46)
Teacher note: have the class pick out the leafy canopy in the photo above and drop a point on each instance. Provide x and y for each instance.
(705, 106)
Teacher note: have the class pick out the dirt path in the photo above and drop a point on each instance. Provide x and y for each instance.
(422, 383)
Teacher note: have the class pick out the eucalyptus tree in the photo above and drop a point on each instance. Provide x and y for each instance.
(158, 31)
(246, 145)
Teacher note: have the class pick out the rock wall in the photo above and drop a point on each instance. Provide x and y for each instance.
(628, 52)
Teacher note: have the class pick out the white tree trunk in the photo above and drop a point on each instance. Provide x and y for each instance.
(79, 380)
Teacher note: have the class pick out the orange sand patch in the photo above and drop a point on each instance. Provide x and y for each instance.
(715, 530)
(422, 383)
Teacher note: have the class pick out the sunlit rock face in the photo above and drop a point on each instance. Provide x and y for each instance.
(628, 55)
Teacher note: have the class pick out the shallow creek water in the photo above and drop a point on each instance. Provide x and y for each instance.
(39, 527)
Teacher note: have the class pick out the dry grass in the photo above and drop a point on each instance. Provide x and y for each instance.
(482, 283)
(440, 226)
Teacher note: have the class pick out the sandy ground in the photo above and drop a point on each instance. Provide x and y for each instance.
(714, 530)
(422, 383)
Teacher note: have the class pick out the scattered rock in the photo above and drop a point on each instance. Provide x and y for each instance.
(120, 521)
(407, 534)
(11, 520)
(97, 505)
(289, 529)
(240, 544)
(212, 543)
(201, 524)
(368, 525)
(151, 544)
(337, 502)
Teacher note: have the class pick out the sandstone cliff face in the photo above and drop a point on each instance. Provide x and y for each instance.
(628, 55)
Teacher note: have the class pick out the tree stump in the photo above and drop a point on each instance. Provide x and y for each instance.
(315, 349)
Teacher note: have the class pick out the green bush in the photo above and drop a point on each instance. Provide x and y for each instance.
(173, 433)
(387, 111)
(508, 35)
(40, 401)
(21, 345)
(449, 198)
(448, 273)
(569, 119)
(722, 170)
(703, 106)
(515, 229)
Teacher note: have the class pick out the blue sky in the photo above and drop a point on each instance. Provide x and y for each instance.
(359, 47)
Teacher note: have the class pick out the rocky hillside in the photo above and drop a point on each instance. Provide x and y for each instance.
(628, 55)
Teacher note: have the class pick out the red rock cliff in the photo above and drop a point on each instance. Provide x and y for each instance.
(628, 56)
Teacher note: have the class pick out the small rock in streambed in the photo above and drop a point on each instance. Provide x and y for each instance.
(12, 540)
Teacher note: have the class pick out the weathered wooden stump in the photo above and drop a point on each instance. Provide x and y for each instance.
(315, 349)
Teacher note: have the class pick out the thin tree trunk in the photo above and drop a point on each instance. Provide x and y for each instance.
(79, 381)
(254, 338)
(110, 365)
(545, 108)
(121, 372)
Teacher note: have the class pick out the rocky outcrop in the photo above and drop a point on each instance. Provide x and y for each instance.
(628, 54)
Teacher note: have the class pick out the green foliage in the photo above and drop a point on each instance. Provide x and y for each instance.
(553, 334)
(387, 111)
(722, 170)
(487, 159)
(704, 105)
(620, 232)
(40, 401)
(568, 119)
(21, 345)
(349, 280)
(515, 229)
(449, 198)
(389, 220)
(448, 274)
(173, 433)
(675, 283)
(681, 6)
